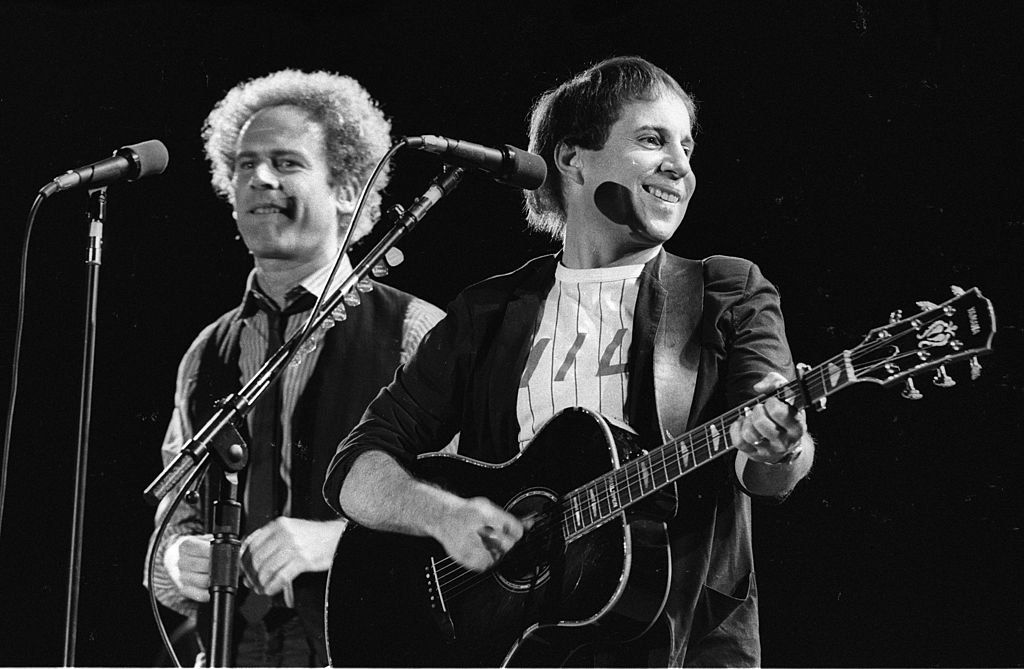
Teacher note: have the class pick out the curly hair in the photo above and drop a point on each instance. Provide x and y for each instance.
(356, 132)
(580, 112)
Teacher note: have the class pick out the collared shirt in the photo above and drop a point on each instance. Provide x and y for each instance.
(420, 317)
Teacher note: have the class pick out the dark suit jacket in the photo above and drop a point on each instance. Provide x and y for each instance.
(706, 330)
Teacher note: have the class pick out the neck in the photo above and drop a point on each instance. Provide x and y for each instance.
(582, 252)
(278, 276)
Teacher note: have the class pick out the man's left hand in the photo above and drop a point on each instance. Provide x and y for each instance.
(772, 429)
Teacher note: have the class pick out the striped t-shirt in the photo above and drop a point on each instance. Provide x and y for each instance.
(580, 348)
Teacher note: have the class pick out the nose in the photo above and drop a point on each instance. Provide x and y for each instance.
(676, 161)
(263, 177)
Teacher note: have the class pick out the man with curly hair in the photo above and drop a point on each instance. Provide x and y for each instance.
(290, 152)
(658, 345)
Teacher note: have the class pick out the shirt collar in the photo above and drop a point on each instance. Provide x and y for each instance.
(313, 283)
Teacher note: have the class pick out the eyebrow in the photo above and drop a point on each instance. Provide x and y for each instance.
(275, 153)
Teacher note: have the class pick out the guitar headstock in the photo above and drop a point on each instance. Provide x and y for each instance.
(961, 327)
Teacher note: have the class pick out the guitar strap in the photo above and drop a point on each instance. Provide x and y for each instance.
(677, 346)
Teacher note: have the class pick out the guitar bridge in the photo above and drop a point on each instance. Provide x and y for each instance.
(438, 610)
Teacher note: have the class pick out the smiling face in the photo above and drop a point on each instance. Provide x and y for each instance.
(285, 205)
(632, 193)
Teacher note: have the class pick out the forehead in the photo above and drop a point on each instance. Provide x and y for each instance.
(281, 127)
(665, 111)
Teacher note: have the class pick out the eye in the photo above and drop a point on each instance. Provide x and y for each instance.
(244, 164)
(650, 140)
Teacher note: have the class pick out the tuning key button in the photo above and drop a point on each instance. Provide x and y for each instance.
(975, 368)
(942, 379)
(910, 392)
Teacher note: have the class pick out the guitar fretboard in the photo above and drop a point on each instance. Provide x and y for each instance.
(596, 502)
(959, 328)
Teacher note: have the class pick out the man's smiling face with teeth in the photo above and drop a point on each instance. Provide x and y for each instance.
(647, 158)
(285, 204)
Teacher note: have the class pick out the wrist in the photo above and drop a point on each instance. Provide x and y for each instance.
(786, 460)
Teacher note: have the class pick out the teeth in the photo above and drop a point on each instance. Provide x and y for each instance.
(267, 210)
(662, 194)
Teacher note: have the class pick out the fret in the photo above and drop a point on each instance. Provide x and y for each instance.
(673, 468)
(624, 478)
(606, 500)
(590, 513)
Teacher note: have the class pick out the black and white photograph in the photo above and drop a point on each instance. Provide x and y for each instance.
(537, 334)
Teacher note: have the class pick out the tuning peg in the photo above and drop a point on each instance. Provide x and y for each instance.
(957, 291)
(975, 368)
(352, 298)
(394, 256)
(379, 271)
(942, 379)
(910, 392)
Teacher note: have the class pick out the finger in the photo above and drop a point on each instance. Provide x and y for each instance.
(195, 547)
(770, 382)
(194, 565)
(198, 594)
(197, 580)
(278, 579)
(789, 422)
(765, 427)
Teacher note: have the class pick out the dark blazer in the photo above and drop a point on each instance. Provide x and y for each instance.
(704, 333)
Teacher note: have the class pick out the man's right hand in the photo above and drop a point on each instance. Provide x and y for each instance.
(476, 533)
(188, 563)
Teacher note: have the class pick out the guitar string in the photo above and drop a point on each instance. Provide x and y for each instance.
(700, 449)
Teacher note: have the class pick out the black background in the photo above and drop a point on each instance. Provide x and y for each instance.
(866, 154)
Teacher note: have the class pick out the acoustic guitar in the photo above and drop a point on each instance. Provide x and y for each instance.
(594, 567)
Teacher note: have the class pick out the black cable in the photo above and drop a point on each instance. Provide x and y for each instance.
(19, 326)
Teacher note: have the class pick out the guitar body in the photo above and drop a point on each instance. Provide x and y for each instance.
(396, 600)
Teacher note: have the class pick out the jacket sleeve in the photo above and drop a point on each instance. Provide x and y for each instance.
(187, 519)
(420, 410)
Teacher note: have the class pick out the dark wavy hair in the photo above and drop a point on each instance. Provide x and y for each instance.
(580, 112)
(356, 132)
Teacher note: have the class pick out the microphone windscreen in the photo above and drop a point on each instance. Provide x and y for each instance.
(529, 169)
(152, 155)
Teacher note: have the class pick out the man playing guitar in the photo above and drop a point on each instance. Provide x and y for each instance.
(652, 342)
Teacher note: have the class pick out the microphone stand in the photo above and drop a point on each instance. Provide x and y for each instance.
(98, 213)
(219, 434)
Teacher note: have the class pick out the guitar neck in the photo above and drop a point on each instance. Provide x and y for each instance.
(592, 504)
(958, 328)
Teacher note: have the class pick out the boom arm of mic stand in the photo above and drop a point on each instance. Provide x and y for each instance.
(219, 432)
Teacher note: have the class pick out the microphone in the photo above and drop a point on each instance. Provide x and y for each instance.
(507, 165)
(128, 162)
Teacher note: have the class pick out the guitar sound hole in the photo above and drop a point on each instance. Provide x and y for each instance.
(528, 564)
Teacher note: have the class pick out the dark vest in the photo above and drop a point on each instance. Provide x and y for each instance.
(359, 356)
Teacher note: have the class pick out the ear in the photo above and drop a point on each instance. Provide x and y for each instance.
(569, 162)
(345, 199)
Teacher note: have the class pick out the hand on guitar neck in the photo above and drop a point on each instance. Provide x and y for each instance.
(772, 435)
